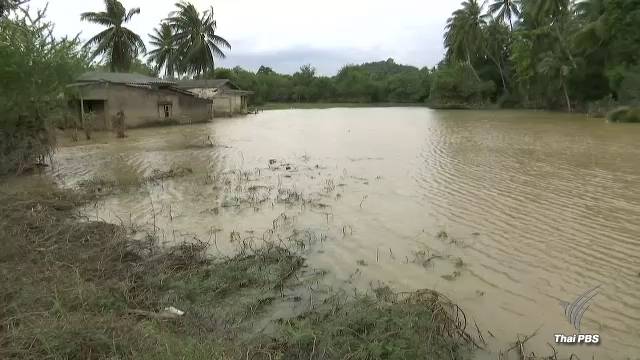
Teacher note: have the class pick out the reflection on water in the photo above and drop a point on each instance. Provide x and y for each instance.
(532, 209)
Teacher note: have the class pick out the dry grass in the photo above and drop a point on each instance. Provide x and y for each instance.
(77, 289)
(74, 289)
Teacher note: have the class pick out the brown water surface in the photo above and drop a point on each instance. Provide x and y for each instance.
(537, 207)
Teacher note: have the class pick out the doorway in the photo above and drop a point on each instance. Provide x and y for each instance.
(165, 111)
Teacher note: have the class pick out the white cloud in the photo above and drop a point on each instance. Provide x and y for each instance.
(327, 34)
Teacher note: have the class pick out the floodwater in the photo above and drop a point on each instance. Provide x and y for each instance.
(538, 208)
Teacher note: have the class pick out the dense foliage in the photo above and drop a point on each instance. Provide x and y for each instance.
(383, 81)
(9, 5)
(556, 54)
(34, 69)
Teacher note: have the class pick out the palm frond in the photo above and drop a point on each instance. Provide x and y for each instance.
(130, 14)
(101, 18)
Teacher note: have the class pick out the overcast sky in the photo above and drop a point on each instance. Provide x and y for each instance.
(286, 34)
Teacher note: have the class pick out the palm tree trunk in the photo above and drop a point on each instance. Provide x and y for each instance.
(566, 95)
(504, 82)
(500, 70)
(475, 73)
(565, 48)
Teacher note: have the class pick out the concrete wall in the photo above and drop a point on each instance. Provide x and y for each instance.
(228, 105)
(223, 104)
(142, 106)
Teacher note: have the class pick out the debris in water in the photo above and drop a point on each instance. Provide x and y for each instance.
(172, 310)
(450, 277)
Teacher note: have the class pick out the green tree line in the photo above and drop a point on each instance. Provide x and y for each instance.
(376, 82)
(553, 54)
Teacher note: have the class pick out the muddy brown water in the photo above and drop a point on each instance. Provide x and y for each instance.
(537, 207)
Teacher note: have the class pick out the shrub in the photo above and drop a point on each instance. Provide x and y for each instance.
(34, 68)
(625, 114)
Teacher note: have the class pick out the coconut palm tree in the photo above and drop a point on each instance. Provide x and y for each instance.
(549, 9)
(8, 5)
(505, 10)
(117, 44)
(594, 32)
(495, 44)
(463, 33)
(196, 39)
(164, 53)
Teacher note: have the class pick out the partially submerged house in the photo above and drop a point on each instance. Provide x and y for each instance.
(228, 99)
(144, 100)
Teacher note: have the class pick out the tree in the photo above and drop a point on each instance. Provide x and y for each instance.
(35, 68)
(196, 39)
(505, 10)
(495, 43)
(455, 86)
(265, 70)
(9, 5)
(302, 80)
(555, 72)
(165, 51)
(545, 11)
(463, 33)
(117, 44)
(593, 32)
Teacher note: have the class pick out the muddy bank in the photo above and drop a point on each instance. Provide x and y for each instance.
(77, 289)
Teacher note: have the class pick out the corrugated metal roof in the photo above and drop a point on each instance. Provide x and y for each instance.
(122, 78)
(206, 84)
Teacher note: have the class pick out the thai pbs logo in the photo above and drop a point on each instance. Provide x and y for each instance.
(574, 312)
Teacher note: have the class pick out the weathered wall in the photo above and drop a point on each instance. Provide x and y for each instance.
(142, 105)
(228, 105)
(223, 105)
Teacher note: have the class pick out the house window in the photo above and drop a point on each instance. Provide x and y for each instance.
(165, 110)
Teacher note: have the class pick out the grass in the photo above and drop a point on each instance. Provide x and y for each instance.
(73, 289)
(77, 289)
(306, 105)
(422, 325)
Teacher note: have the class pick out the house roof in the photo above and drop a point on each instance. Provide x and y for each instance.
(121, 78)
(206, 84)
(128, 79)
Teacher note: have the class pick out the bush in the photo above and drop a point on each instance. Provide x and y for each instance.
(625, 114)
(34, 68)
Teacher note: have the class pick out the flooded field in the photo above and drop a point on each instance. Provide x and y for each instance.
(510, 214)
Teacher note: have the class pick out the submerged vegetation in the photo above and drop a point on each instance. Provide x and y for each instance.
(79, 289)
